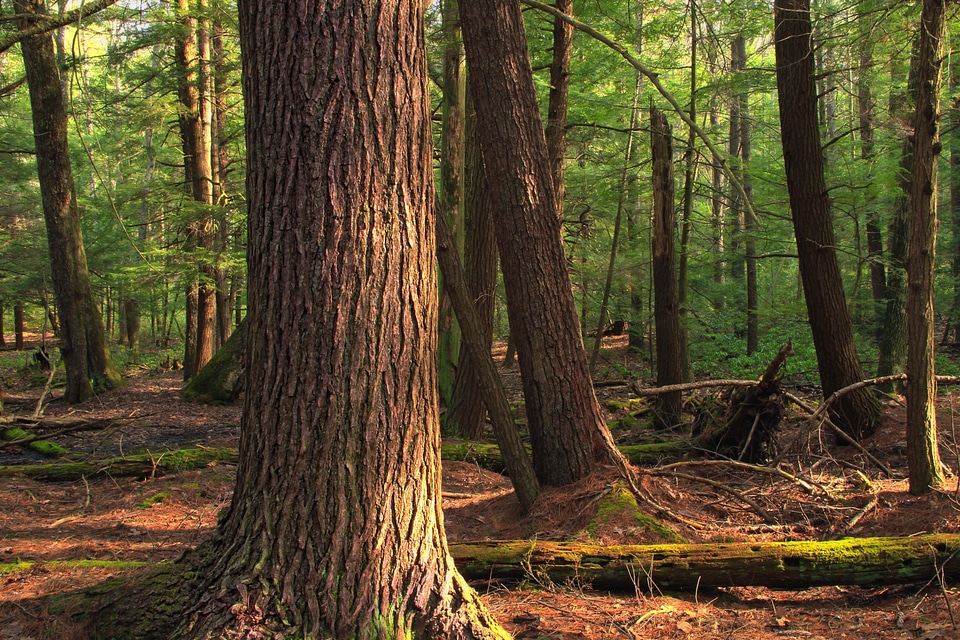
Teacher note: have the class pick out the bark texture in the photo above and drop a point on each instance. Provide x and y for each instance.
(857, 413)
(923, 454)
(568, 435)
(335, 529)
(82, 341)
(666, 311)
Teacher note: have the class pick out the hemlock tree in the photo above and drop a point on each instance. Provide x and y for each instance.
(82, 342)
(335, 529)
(567, 432)
(858, 412)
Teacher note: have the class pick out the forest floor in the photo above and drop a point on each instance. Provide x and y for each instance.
(52, 534)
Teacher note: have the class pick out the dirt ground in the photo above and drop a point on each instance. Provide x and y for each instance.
(48, 529)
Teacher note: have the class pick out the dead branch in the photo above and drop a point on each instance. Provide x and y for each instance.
(722, 487)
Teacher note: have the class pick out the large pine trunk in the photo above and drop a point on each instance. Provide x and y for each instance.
(83, 344)
(335, 529)
(567, 432)
(858, 412)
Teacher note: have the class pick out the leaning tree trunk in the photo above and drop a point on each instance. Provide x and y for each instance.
(82, 341)
(467, 411)
(335, 529)
(556, 132)
(923, 454)
(665, 311)
(569, 437)
(858, 412)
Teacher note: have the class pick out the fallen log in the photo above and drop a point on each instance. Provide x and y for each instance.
(786, 565)
(148, 464)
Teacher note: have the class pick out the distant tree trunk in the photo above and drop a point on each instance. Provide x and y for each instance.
(736, 262)
(557, 104)
(19, 326)
(220, 159)
(867, 117)
(131, 327)
(857, 413)
(467, 411)
(192, 58)
(893, 337)
(568, 434)
(336, 522)
(669, 367)
(451, 190)
(690, 173)
(3, 339)
(953, 144)
(923, 453)
(749, 217)
(83, 345)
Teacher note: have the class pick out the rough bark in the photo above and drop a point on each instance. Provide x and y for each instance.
(923, 454)
(467, 412)
(221, 379)
(335, 529)
(556, 132)
(782, 565)
(665, 311)
(82, 341)
(515, 458)
(569, 437)
(451, 190)
(858, 413)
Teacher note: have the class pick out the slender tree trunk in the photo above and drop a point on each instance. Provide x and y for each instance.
(923, 454)
(3, 339)
(736, 208)
(83, 344)
(451, 190)
(690, 174)
(749, 217)
(867, 117)
(19, 326)
(568, 435)
(336, 523)
(665, 310)
(893, 337)
(467, 411)
(557, 103)
(953, 144)
(857, 413)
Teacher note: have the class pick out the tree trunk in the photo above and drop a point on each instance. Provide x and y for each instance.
(669, 366)
(192, 57)
(3, 339)
(689, 176)
(467, 411)
(782, 565)
(568, 435)
(556, 132)
(451, 191)
(335, 525)
(221, 379)
(82, 342)
(867, 117)
(19, 326)
(857, 413)
(749, 218)
(131, 327)
(518, 465)
(923, 453)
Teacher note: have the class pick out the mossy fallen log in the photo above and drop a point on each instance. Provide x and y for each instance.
(786, 565)
(147, 464)
(16, 436)
(138, 465)
(488, 455)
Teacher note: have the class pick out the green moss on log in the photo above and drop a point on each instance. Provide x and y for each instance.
(43, 447)
(787, 565)
(137, 465)
(619, 503)
(488, 455)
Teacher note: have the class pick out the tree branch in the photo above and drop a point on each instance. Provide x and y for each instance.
(46, 24)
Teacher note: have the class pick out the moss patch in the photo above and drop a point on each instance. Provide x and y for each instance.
(619, 506)
(43, 447)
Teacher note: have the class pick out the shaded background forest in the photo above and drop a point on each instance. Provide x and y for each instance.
(150, 241)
